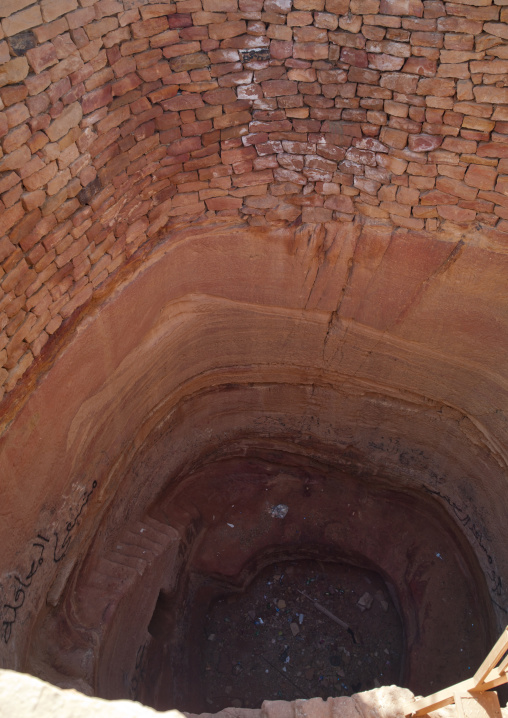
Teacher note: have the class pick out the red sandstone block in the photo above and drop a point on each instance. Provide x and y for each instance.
(355, 57)
(362, 157)
(316, 162)
(65, 67)
(184, 102)
(311, 51)
(98, 29)
(358, 74)
(290, 162)
(253, 178)
(58, 89)
(145, 59)
(385, 62)
(221, 203)
(316, 214)
(154, 72)
(400, 82)
(147, 28)
(184, 145)
(299, 19)
(221, 31)
(125, 65)
(239, 154)
(13, 94)
(188, 209)
(339, 203)
(4, 125)
(16, 138)
(456, 188)
(493, 149)
(424, 142)
(42, 57)
(164, 93)
(502, 185)
(281, 49)
(455, 144)
(436, 197)
(310, 34)
(219, 96)
(284, 175)
(275, 88)
(232, 120)
(422, 170)
(180, 20)
(126, 84)
(80, 18)
(16, 114)
(402, 7)
(427, 39)
(459, 215)
(460, 24)
(156, 10)
(40, 178)
(169, 37)
(15, 160)
(8, 218)
(97, 98)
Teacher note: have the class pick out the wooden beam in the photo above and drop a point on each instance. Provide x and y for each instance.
(437, 700)
(504, 664)
(493, 658)
(446, 696)
(486, 677)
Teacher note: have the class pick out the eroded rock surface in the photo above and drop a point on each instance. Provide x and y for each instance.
(349, 359)
(22, 695)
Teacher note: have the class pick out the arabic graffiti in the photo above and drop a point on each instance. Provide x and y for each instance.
(60, 548)
(20, 582)
(461, 514)
(139, 672)
(19, 589)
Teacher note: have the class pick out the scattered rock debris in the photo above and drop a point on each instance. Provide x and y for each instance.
(365, 601)
(270, 643)
(279, 511)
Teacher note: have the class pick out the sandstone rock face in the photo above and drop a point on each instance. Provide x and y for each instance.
(363, 362)
(21, 694)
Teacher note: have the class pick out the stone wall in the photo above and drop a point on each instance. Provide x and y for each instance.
(118, 118)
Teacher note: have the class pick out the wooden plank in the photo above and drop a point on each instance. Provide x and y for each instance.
(446, 696)
(493, 658)
(486, 677)
(493, 680)
(504, 664)
(437, 700)
(479, 705)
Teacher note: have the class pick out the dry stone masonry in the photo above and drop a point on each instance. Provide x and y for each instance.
(118, 118)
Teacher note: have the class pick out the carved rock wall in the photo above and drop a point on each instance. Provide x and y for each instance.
(364, 356)
(119, 117)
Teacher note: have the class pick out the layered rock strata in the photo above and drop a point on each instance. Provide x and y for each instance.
(320, 363)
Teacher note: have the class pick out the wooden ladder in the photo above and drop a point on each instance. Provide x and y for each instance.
(470, 696)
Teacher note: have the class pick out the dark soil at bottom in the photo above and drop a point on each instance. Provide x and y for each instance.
(270, 642)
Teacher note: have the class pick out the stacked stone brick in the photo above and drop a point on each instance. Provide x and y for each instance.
(119, 117)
